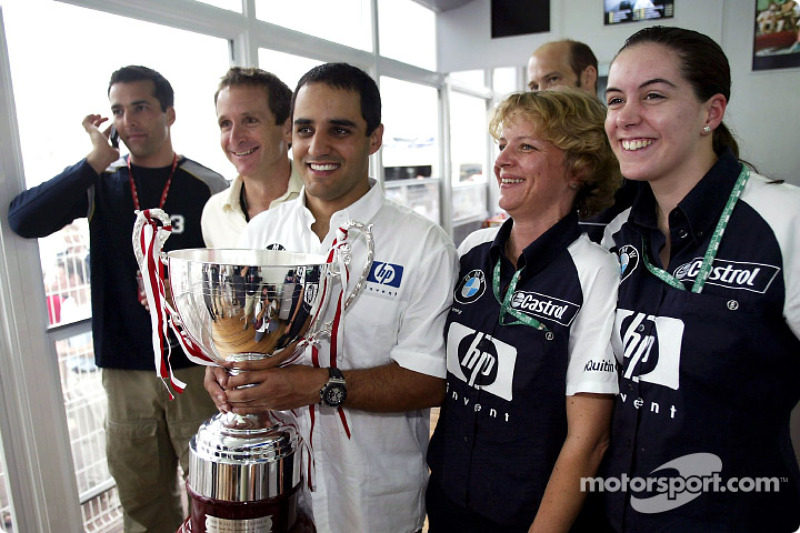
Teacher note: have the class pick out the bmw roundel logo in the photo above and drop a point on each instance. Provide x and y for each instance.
(470, 287)
(628, 260)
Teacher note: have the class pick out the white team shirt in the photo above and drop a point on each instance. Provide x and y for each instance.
(374, 481)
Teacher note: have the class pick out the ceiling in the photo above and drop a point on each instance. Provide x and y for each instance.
(442, 5)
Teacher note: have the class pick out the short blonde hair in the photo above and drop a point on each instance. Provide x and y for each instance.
(575, 123)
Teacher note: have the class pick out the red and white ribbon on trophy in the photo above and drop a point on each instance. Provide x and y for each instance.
(150, 231)
(339, 254)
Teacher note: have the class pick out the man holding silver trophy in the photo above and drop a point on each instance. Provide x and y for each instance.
(362, 401)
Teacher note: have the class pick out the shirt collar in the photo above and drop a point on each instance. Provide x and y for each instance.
(232, 199)
(362, 210)
(235, 190)
(538, 254)
(701, 208)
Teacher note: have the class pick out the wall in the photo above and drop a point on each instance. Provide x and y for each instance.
(764, 111)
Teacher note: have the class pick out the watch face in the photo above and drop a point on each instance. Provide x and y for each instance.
(335, 395)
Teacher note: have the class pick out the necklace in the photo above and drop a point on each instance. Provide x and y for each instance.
(243, 204)
(713, 246)
(164, 193)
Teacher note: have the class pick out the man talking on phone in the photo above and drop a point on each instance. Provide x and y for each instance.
(147, 436)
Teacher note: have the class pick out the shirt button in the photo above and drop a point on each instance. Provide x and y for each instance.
(683, 234)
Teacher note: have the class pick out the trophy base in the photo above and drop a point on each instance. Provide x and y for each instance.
(303, 525)
(275, 515)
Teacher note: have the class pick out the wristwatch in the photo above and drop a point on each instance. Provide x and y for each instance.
(334, 392)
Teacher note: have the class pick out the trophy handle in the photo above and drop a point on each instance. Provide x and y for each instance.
(340, 258)
(151, 230)
(160, 236)
(366, 230)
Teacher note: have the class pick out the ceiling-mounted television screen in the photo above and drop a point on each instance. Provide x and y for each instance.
(617, 11)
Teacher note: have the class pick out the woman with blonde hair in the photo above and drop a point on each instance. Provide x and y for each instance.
(531, 376)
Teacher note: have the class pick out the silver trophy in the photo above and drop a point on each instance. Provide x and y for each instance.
(235, 305)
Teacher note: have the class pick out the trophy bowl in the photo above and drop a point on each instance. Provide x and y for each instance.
(245, 470)
(244, 304)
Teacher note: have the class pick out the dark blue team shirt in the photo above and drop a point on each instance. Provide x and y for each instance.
(708, 381)
(503, 421)
(120, 324)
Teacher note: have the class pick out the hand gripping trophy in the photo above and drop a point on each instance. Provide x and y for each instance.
(235, 305)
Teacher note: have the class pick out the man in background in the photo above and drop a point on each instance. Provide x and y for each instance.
(255, 134)
(565, 63)
(147, 435)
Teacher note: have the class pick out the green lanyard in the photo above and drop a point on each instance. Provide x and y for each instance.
(713, 246)
(505, 303)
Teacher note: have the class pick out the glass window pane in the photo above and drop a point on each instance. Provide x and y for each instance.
(504, 80)
(470, 78)
(230, 5)
(420, 197)
(410, 151)
(468, 150)
(6, 518)
(468, 138)
(407, 32)
(51, 141)
(65, 264)
(347, 22)
(289, 68)
(410, 137)
(469, 201)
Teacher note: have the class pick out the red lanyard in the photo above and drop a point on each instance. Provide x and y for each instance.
(166, 187)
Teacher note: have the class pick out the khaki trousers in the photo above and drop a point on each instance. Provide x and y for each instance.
(147, 437)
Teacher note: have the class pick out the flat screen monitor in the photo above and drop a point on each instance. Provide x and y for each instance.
(618, 11)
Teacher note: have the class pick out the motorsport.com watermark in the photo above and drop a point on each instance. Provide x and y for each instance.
(697, 473)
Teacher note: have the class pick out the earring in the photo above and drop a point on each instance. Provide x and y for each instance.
(573, 186)
(706, 129)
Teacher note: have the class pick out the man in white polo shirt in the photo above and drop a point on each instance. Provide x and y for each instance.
(369, 441)
(255, 133)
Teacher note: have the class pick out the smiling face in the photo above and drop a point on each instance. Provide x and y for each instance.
(251, 140)
(534, 183)
(330, 146)
(142, 125)
(655, 121)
